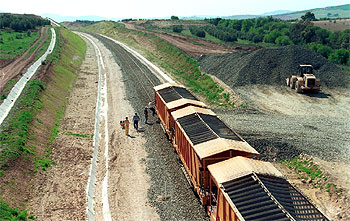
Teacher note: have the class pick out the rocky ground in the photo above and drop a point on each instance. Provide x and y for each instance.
(282, 124)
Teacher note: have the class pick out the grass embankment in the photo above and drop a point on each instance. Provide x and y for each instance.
(165, 55)
(16, 43)
(311, 173)
(29, 132)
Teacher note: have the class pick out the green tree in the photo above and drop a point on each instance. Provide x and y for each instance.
(309, 16)
(272, 36)
(344, 39)
(308, 34)
(340, 56)
(283, 40)
(247, 24)
(322, 35)
(173, 17)
(324, 50)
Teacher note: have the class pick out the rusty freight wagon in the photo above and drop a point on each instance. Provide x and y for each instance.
(201, 139)
(170, 97)
(248, 189)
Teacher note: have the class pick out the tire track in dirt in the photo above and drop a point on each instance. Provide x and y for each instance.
(14, 68)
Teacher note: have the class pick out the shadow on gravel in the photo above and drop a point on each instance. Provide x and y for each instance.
(318, 95)
(272, 150)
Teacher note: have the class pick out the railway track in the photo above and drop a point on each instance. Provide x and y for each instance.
(140, 73)
(168, 181)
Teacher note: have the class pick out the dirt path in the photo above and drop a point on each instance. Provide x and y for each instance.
(191, 46)
(14, 68)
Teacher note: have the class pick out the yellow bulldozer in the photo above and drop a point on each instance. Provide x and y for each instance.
(304, 80)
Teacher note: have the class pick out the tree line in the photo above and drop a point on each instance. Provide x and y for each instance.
(21, 23)
(333, 45)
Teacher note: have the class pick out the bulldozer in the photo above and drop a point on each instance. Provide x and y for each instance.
(304, 80)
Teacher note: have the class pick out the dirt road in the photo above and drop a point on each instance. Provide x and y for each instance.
(191, 46)
(15, 67)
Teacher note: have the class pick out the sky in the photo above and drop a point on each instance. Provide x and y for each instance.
(160, 8)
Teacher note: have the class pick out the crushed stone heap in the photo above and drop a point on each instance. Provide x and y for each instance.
(271, 66)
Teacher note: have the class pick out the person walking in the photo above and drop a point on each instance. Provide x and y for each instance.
(151, 107)
(146, 114)
(126, 125)
(136, 119)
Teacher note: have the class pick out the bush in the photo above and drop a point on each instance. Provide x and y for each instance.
(220, 34)
(197, 31)
(283, 40)
(340, 56)
(19, 36)
(324, 50)
(272, 36)
(258, 38)
(177, 28)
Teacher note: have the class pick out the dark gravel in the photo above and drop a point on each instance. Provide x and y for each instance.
(170, 192)
(276, 136)
(271, 66)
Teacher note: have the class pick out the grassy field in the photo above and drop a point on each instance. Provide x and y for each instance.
(341, 11)
(334, 25)
(16, 43)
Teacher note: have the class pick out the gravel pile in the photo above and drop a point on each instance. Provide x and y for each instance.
(271, 66)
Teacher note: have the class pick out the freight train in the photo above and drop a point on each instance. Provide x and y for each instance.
(227, 175)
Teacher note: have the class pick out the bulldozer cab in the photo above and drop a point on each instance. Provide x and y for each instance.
(305, 69)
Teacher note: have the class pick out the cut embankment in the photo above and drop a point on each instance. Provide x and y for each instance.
(271, 66)
(40, 119)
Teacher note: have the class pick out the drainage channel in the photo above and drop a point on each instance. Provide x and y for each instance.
(16, 91)
(101, 117)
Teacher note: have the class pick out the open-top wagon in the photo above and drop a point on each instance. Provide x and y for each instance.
(201, 139)
(248, 189)
(170, 97)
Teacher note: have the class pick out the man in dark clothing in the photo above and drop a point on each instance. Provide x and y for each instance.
(146, 115)
(151, 107)
(136, 119)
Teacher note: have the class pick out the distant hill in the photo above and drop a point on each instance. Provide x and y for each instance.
(278, 12)
(60, 18)
(332, 12)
